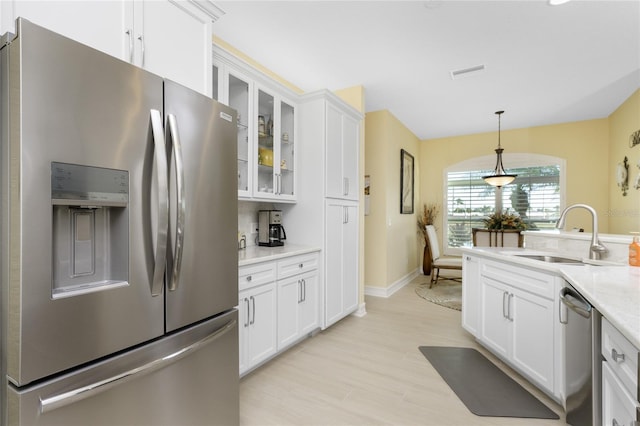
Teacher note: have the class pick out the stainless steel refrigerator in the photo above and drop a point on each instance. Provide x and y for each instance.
(118, 242)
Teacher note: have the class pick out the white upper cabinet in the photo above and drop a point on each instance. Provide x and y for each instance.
(96, 24)
(172, 39)
(169, 38)
(267, 142)
(342, 147)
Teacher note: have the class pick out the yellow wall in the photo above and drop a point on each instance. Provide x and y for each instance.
(390, 237)
(624, 211)
(584, 145)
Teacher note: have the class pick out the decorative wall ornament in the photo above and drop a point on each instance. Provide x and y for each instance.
(637, 182)
(622, 176)
(634, 139)
(406, 182)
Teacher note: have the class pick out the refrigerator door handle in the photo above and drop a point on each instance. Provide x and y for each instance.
(75, 395)
(163, 203)
(174, 139)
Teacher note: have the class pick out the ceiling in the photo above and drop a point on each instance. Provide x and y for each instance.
(542, 64)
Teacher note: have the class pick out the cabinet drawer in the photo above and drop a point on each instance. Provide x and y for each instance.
(253, 275)
(297, 264)
(621, 356)
(618, 406)
(523, 278)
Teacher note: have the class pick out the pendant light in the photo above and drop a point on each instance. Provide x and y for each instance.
(499, 176)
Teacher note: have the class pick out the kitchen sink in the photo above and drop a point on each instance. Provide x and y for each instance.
(551, 258)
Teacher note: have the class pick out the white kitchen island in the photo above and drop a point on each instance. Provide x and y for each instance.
(511, 304)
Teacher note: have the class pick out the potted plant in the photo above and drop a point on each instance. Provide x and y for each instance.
(498, 226)
(504, 220)
(427, 217)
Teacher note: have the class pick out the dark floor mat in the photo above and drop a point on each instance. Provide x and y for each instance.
(483, 387)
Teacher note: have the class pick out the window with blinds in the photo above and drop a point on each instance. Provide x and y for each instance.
(535, 195)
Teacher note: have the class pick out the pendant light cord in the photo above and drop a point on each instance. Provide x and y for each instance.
(499, 113)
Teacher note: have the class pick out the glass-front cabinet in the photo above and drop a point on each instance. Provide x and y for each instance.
(275, 161)
(236, 90)
(266, 132)
(239, 99)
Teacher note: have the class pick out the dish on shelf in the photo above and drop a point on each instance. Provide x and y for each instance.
(265, 156)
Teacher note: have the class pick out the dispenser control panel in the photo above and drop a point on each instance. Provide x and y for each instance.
(73, 184)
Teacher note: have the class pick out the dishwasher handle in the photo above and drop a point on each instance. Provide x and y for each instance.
(574, 301)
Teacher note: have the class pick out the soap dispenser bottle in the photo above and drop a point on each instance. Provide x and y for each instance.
(634, 250)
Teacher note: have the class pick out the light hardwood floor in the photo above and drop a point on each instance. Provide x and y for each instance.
(369, 371)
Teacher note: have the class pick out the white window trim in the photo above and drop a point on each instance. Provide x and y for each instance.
(488, 162)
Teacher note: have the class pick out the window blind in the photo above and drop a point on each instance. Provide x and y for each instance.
(534, 195)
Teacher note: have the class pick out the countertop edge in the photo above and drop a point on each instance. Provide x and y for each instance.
(257, 254)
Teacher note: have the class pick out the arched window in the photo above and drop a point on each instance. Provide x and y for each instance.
(537, 194)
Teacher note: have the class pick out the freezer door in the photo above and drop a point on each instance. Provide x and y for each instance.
(190, 378)
(72, 105)
(202, 271)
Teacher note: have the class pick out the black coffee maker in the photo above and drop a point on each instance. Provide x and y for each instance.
(270, 230)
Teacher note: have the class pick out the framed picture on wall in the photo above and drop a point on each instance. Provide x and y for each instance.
(406, 182)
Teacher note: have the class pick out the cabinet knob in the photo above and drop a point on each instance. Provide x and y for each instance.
(616, 356)
(249, 278)
(301, 265)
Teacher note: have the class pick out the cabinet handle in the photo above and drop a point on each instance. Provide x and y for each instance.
(304, 290)
(246, 324)
(299, 291)
(141, 49)
(130, 34)
(345, 185)
(253, 317)
(249, 278)
(505, 313)
(509, 314)
(616, 356)
(301, 265)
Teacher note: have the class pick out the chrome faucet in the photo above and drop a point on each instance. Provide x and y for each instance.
(596, 248)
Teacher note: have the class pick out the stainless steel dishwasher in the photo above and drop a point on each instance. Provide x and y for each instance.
(581, 358)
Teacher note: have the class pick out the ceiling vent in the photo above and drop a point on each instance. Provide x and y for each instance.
(467, 72)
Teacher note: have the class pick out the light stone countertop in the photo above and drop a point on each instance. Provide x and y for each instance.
(613, 289)
(257, 254)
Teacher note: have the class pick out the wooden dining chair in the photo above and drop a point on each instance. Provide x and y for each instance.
(440, 262)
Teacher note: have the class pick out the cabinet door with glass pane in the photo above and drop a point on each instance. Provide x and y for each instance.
(275, 159)
(236, 90)
(265, 167)
(286, 174)
(240, 96)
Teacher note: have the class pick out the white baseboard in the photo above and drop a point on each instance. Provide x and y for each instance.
(388, 291)
(362, 310)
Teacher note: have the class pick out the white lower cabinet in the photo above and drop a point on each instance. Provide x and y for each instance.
(618, 406)
(519, 326)
(298, 302)
(512, 312)
(297, 307)
(619, 377)
(341, 283)
(278, 305)
(257, 316)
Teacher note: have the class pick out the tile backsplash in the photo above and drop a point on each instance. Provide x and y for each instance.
(248, 219)
(578, 243)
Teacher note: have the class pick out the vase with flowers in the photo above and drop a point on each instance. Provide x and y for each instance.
(427, 217)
